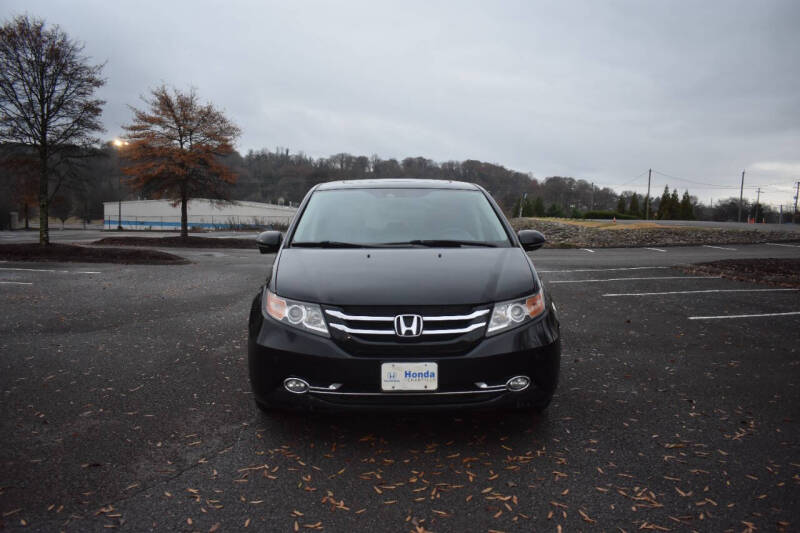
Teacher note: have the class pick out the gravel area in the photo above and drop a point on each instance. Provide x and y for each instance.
(566, 235)
(86, 254)
(770, 271)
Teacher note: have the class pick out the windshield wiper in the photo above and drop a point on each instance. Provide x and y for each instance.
(442, 243)
(329, 244)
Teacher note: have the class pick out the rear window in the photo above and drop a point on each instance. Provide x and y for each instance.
(381, 216)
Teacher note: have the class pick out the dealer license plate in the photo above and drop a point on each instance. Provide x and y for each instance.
(409, 376)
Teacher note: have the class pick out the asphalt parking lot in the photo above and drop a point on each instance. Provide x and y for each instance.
(125, 404)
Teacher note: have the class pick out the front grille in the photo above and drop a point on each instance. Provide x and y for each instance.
(371, 331)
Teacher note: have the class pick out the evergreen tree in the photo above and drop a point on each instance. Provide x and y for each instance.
(663, 205)
(538, 207)
(686, 209)
(633, 207)
(674, 205)
(527, 208)
(621, 205)
(554, 211)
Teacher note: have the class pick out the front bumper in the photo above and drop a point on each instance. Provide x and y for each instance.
(341, 381)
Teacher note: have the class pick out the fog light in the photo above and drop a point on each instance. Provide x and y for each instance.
(295, 385)
(518, 383)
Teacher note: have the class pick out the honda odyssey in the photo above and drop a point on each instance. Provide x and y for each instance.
(405, 294)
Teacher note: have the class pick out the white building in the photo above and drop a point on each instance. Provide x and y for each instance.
(203, 214)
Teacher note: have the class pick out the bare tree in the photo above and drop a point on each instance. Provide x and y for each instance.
(47, 100)
(176, 146)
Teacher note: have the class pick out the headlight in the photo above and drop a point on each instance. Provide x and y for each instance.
(507, 315)
(297, 314)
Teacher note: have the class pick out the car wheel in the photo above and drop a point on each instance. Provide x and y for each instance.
(264, 407)
(536, 406)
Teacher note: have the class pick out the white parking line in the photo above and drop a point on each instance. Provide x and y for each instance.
(632, 279)
(743, 316)
(49, 270)
(719, 247)
(787, 245)
(696, 292)
(600, 269)
(587, 250)
(656, 249)
(32, 269)
(15, 283)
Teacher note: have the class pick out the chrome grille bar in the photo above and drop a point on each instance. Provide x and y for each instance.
(442, 318)
(470, 316)
(355, 331)
(358, 318)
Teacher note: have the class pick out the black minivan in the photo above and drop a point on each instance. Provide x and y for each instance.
(404, 294)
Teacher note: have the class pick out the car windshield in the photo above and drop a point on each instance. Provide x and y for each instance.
(398, 217)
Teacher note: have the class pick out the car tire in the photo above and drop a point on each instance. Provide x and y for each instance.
(537, 406)
(264, 407)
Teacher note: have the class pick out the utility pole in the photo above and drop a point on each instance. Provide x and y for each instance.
(755, 213)
(647, 200)
(796, 194)
(741, 190)
(521, 202)
(592, 206)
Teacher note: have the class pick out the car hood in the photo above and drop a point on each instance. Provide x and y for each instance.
(407, 276)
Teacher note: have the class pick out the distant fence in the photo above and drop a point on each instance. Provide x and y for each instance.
(197, 222)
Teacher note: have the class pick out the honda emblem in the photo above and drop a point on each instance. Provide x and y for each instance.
(408, 325)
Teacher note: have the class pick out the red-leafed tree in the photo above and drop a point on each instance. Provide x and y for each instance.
(175, 146)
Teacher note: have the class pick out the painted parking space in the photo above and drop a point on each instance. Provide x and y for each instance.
(680, 297)
(702, 291)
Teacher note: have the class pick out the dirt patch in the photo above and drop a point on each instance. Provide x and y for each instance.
(770, 271)
(610, 225)
(563, 234)
(178, 242)
(73, 253)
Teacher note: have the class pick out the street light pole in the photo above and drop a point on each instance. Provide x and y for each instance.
(119, 202)
(118, 144)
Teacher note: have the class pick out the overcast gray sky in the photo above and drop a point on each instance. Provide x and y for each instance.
(594, 90)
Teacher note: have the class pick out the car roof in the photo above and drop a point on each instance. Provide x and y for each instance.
(396, 184)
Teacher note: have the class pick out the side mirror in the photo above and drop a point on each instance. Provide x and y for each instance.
(530, 239)
(268, 242)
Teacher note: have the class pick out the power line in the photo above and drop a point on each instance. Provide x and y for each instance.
(710, 185)
(622, 184)
(631, 181)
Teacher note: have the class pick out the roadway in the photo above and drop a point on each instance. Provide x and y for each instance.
(125, 403)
